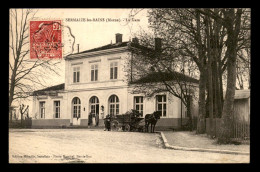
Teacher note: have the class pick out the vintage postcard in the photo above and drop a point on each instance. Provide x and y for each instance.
(123, 85)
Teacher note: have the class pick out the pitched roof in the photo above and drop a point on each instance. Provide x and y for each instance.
(105, 47)
(115, 45)
(52, 88)
(164, 76)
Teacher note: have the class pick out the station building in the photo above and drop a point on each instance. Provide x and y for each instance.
(95, 82)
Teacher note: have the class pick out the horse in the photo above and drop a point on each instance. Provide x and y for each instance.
(151, 119)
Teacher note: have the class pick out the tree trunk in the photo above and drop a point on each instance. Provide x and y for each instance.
(219, 90)
(221, 100)
(226, 121)
(21, 111)
(12, 84)
(210, 95)
(210, 56)
(217, 98)
(201, 127)
(214, 86)
(11, 92)
(227, 113)
(189, 113)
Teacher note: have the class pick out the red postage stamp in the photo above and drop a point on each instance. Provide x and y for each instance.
(45, 39)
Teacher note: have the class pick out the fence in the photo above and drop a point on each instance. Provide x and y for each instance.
(241, 119)
(240, 128)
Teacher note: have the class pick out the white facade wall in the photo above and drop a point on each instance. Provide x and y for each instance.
(103, 63)
(49, 106)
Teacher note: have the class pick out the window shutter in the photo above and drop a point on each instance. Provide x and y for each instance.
(78, 76)
(115, 73)
(111, 73)
(96, 75)
(92, 75)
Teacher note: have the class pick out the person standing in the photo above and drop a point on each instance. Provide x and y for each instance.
(90, 119)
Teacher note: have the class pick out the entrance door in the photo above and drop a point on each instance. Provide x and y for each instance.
(94, 110)
(76, 111)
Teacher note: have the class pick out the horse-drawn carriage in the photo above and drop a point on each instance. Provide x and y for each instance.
(130, 121)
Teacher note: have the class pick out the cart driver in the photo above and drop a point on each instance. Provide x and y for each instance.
(107, 122)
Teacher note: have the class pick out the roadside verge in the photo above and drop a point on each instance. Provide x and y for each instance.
(168, 146)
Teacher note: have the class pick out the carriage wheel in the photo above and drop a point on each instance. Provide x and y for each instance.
(114, 125)
(127, 127)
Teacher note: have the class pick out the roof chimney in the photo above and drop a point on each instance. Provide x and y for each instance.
(135, 40)
(158, 44)
(119, 38)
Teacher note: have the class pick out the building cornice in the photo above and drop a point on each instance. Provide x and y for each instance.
(95, 88)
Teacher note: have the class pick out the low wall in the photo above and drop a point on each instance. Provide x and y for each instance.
(50, 123)
(162, 124)
(170, 122)
(58, 123)
(84, 122)
(101, 123)
(174, 123)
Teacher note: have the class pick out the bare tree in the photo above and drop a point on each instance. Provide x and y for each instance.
(206, 36)
(23, 109)
(151, 71)
(233, 25)
(237, 25)
(189, 34)
(25, 74)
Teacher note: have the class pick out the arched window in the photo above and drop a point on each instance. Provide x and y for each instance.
(94, 105)
(76, 107)
(113, 105)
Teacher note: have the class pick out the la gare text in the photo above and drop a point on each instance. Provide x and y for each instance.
(101, 20)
